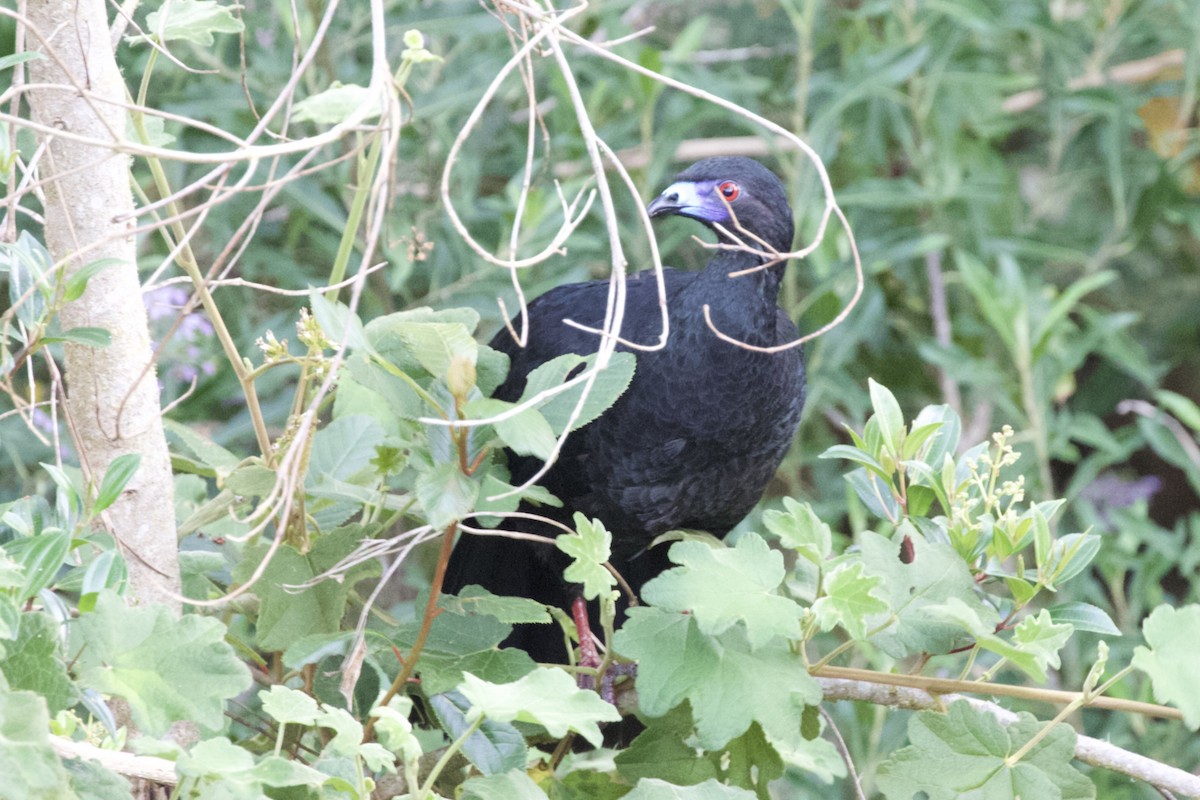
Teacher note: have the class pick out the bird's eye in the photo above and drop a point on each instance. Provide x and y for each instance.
(729, 190)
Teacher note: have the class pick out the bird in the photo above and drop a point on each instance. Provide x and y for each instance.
(702, 427)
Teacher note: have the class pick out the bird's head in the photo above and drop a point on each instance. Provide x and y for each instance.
(711, 189)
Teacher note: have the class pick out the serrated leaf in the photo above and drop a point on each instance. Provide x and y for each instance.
(546, 697)
(457, 644)
(221, 460)
(850, 597)
(192, 21)
(589, 547)
(913, 590)
(1035, 642)
(728, 684)
(343, 448)
(723, 586)
(662, 751)
(607, 386)
(1173, 636)
(494, 748)
(35, 662)
(512, 610)
(799, 528)
(289, 705)
(527, 434)
(963, 753)
(446, 494)
(286, 615)
(167, 668)
(116, 477)
(30, 767)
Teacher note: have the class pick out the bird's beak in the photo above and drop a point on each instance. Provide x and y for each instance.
(683, 198)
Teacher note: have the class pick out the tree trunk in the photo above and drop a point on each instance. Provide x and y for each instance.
(112, 392)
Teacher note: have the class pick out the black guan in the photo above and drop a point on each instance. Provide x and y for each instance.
(702, 427)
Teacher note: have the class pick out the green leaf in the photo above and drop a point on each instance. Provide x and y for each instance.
(35, 662)
(93, 782)
(344, 448)
(116, 477)
(728, 684)
(546, 697)
(1084, 617)
(944, 442)
(889, 417)
(798, 527)
(527, 434)
(963, 753)
(662, 751)
(220, 460)
(336, 104)
(914, 590)
(752, 762)
(655, 789)
(1069, 556)
(589, 547)
(1173, 636)
(607, 386)
(722, 586)
(494, 748)
(446, 494)
(12, 59)
(192, 21)
(92, 337)
(285, 615)
(1035, 643)
(30, 768)
(289, 705)
(167, 668)
(1182, 408)
(107, 571)
(458, 644)
(425, 341)
(477, 600)
(40, 558)
(850, 597)
(514, 785)
(77, 283)
(219, 768)
(857, 456)
(339, 323)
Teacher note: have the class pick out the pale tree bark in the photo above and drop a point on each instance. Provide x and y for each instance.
(112, 392)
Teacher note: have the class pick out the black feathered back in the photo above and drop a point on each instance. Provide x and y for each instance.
(696, 437)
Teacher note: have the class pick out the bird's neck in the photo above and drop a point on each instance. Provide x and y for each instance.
(744, 306)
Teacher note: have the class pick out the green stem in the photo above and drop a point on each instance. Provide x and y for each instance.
(427, 788)
(366, 171)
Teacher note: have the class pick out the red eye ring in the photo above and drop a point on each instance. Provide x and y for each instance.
(729, 190)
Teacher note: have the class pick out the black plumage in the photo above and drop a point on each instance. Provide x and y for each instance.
(694, 440)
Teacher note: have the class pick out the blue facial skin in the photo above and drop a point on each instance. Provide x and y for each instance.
(698, 200)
